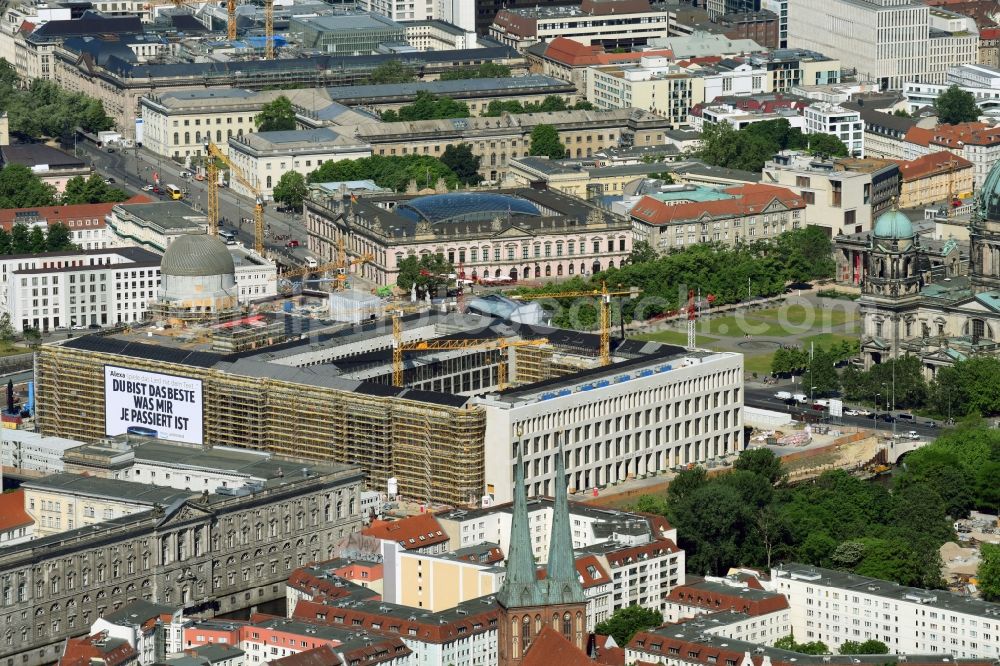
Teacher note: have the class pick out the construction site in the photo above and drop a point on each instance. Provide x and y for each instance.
(409, 398)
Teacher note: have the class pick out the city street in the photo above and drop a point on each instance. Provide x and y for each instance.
(134, 168)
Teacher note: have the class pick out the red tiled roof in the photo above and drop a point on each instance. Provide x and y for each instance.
(411, 533)
(550, 648)
(626, 556)
(919, 135)
(693, 595)
(321, 656)
(956, 136)
(989, 33)
(603, 654)
(748, 200)
(932, 165)
(599, 577)
(12, 513)
(71, 216)
(574, 54)
(83, 651)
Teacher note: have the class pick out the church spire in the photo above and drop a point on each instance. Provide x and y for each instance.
(520, 587)
(563, 584)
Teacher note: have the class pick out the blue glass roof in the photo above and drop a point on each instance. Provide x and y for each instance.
(465, 207)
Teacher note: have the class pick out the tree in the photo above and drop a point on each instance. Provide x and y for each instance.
(80, 190)
(19, 188)
(627, 622)
(988, 573)
(750, 147)
(871, 646)
(428, 107)
(788, 643)
(942, 472)
(32, 336)
(291, 189)
(968, 386)
(545, 142)
(956, 106)
(58, 238)
(827, 144)
(789, 361)
(712, 523)
(7, 334)
(463, 163)
(651, 504)
(395, 172)
(821, 373)
(429, 273)
(276, 115)
(642, 251)
(391, 71)
(487, 70)
(901, 113)
(762, 462)
(685, 483)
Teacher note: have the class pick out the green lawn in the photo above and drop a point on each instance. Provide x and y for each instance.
(674, 337)
(759, 363)
(826, 340)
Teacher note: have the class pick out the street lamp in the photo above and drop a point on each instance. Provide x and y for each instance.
(811, 389)
(877, 396)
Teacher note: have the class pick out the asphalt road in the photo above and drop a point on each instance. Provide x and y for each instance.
(763, 398)
(133, 169)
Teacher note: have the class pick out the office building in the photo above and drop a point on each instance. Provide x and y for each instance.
(264, 157)
(845, 124)
(206, 554)
(585, 179)
(935, 178)
(351, 33)
(569, 60)
(842, 196)
(85, 222)
(744, 213)
(980, 81)
(152, 226)
(835, 607)
(28, 451)
(516, 234)
(609, 23)
(78, 288)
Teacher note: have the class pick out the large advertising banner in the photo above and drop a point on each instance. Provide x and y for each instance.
(165, 406)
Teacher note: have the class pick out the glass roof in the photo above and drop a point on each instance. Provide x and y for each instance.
(465, 207)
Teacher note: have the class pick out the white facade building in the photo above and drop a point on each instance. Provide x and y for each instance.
(93, 287)
(845, 124)
(460, 13)
(264, 157)
(33, 452)
(137, 624)
(834, 607)
(616, 425)
(885, 40)
(980, 81)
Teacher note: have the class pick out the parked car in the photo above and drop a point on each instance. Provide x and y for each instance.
(905, 416)
(111, 150)
(888, 418)
(930, 424)
(94, 327)
(783, 395)
(292, 243)
(199, 177)
(185, 174)
(109, 181)
(79, 327)
(157, 190)
(913, 434)
(147, 188)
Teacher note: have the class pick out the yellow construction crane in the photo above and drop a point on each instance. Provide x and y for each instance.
(212, 153)
(268, 29)
(398, 347)
(341, 266)
(604, 310)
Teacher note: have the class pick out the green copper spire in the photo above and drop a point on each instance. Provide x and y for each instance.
(521, 587)
(563, 584)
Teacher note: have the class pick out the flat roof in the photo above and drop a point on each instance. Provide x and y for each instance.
(462, 88)
(168, 215)
(941, 599)
(110, 489)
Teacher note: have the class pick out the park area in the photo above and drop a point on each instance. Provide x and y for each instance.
(758, 333)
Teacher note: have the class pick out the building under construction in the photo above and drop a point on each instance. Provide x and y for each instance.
(430, 414)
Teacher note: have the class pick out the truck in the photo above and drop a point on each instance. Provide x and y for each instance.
(783, 395)
(800, 398)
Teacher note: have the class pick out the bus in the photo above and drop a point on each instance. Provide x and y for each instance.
(174, 191)
(227, 236)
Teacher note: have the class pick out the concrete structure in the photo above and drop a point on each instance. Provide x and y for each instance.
(263, 157)
(980, 81)
(748, 213)
(793, 67)
(610, 23)
(350, 33)
(701, 44)
(516, 234)
(585, 179)
(198, 280)
(498, 140)
(28, 451)
(842, 196)
(153, 226)
(67, 501)
(435, 582)
(213, 557)
(78, 288)
(934, 178)
(662, 87)
(51, 165)
(845, 124)
(121, 87)
(887, 41)
(453, 27)
(955, 624)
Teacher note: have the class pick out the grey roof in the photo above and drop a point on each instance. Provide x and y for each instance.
(940, 599)
(166, 214)
(138, 612)
(113, 489)
(348, 22)
(90, 23)
(216, 458)
(459, 88)
(36, 154)
(215, 652)
(105, 52)
(197, 255)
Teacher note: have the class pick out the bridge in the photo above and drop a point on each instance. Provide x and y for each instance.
(894, 449)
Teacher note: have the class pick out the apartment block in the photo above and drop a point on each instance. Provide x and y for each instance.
(845, 124)
(834, 607)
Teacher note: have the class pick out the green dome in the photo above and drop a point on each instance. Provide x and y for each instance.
(893, 224)
(989, 194)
